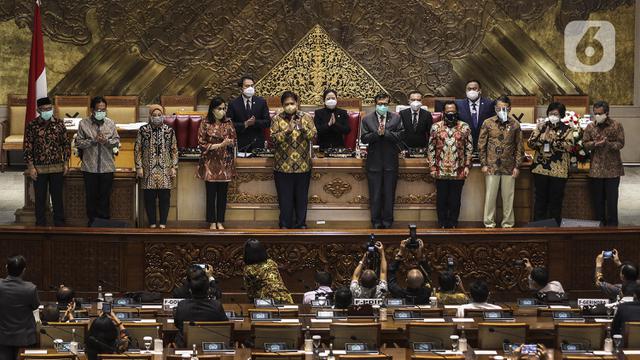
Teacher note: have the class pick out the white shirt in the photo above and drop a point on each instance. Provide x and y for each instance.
(476, 306)
(477, 102)
(245, 99)
(311, 295)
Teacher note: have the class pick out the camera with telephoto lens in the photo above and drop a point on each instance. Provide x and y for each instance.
(371, 244)
(451, 265)
(413, 238)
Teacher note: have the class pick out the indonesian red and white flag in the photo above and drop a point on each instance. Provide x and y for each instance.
(37, 71)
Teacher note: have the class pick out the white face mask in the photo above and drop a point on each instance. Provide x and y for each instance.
(331, 103)
(415, 105)
(473, 95)
(156, 120)
(554, 119)
(600, 118)
(249, 92)
(503, 115)
(218, 114)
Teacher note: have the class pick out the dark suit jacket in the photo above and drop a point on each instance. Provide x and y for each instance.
(626, 312)
(487, 110)
(416, 137)
(196, 310)
(331, 136)
(254, 134)
(18, 300)
(382, 153)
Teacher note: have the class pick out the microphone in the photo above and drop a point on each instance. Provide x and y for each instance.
(61, 329)
(507, 341)
(115, 287)
(579, 338)
(209, 330)
(43, 331)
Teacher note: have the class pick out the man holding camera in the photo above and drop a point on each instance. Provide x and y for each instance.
(546, 291)
(627, 270)
(418, 289)
(365, 283)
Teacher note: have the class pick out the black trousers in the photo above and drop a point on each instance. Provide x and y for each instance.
(293, 196)
(605, 199)
(448, 196)
(164, 198)
(548, 198)
(52, 183)
(97, 189)
(216, 200)
(382, 195)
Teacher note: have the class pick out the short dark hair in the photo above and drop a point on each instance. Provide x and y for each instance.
(479, 291)
(43, 101)
(447, 281)
(503, 98)
(629, 271)
(557, 106)
(101, 335)
(449, 102)
(288, 94)
(475, 81)
(324, 278)
(254, 252)
(342, 298)
(50, 313)
(215, 102)
(369, 279)
(601, 104)
(381, 96)
(199, 286)
(540, 275)
(631, 289)
(415, 92)
(65, 295)
(245, 77)
(16, 265)
(329, 91)
(97, 100)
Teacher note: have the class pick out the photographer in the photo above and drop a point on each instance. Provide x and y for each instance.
(365, 284)
(418, 288)
(627, 270)
(195, 272)
(547, 291)
(451, 291)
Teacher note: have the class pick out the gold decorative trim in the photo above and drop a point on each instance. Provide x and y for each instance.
(417, 198)
(315, 199)
(337, 187)
(359, 176)
(359, 199)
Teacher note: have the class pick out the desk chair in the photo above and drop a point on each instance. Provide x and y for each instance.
(491, 336)
(211, 331)
(270, 332)
(343, 333)
(64, 331)
(632, 335)
(137, 331)
(592, 334)
(431, 332)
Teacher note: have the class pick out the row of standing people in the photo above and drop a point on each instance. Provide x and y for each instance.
(472, 124)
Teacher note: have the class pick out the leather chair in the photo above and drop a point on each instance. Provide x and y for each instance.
(14, 127)
(182, 131)
(194, 126)
(70, 105)
(174, 104)
(351, 139)
(437, 116)
(123, 109)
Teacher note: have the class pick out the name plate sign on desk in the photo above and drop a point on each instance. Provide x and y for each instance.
(368, 302)
(592, 302)
(169, 304)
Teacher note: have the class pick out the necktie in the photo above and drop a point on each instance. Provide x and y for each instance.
(248, 107)
(415, 121)
(474, 115)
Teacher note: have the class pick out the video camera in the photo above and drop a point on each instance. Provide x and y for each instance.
(413, 238)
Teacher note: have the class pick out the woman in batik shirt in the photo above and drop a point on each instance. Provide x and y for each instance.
(261, 275)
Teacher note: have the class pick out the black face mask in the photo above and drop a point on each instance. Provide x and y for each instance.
(451, 118)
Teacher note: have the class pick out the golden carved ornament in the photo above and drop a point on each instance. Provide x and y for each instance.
(413, 177)
(317, 63)
(337, 187)
(316, 199)
(415, 199)
(359, 176)
(359, 199)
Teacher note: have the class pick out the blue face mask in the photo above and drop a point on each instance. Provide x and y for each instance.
(46, 115)
(382, 109)
(100, 115)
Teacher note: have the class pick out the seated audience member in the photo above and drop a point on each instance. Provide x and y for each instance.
(342, 298)
(332, 123)
(418, 288)
(539, 281)
(451, 290)
(66, 299)
(18, 300)
(627, 270)
(261, 275)
(628, 311)
(323, 287)
(199, 308)
(195, 272)
(365, 284)
(50, 313)
(106, 335)
(479, 292)
(627, 293)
